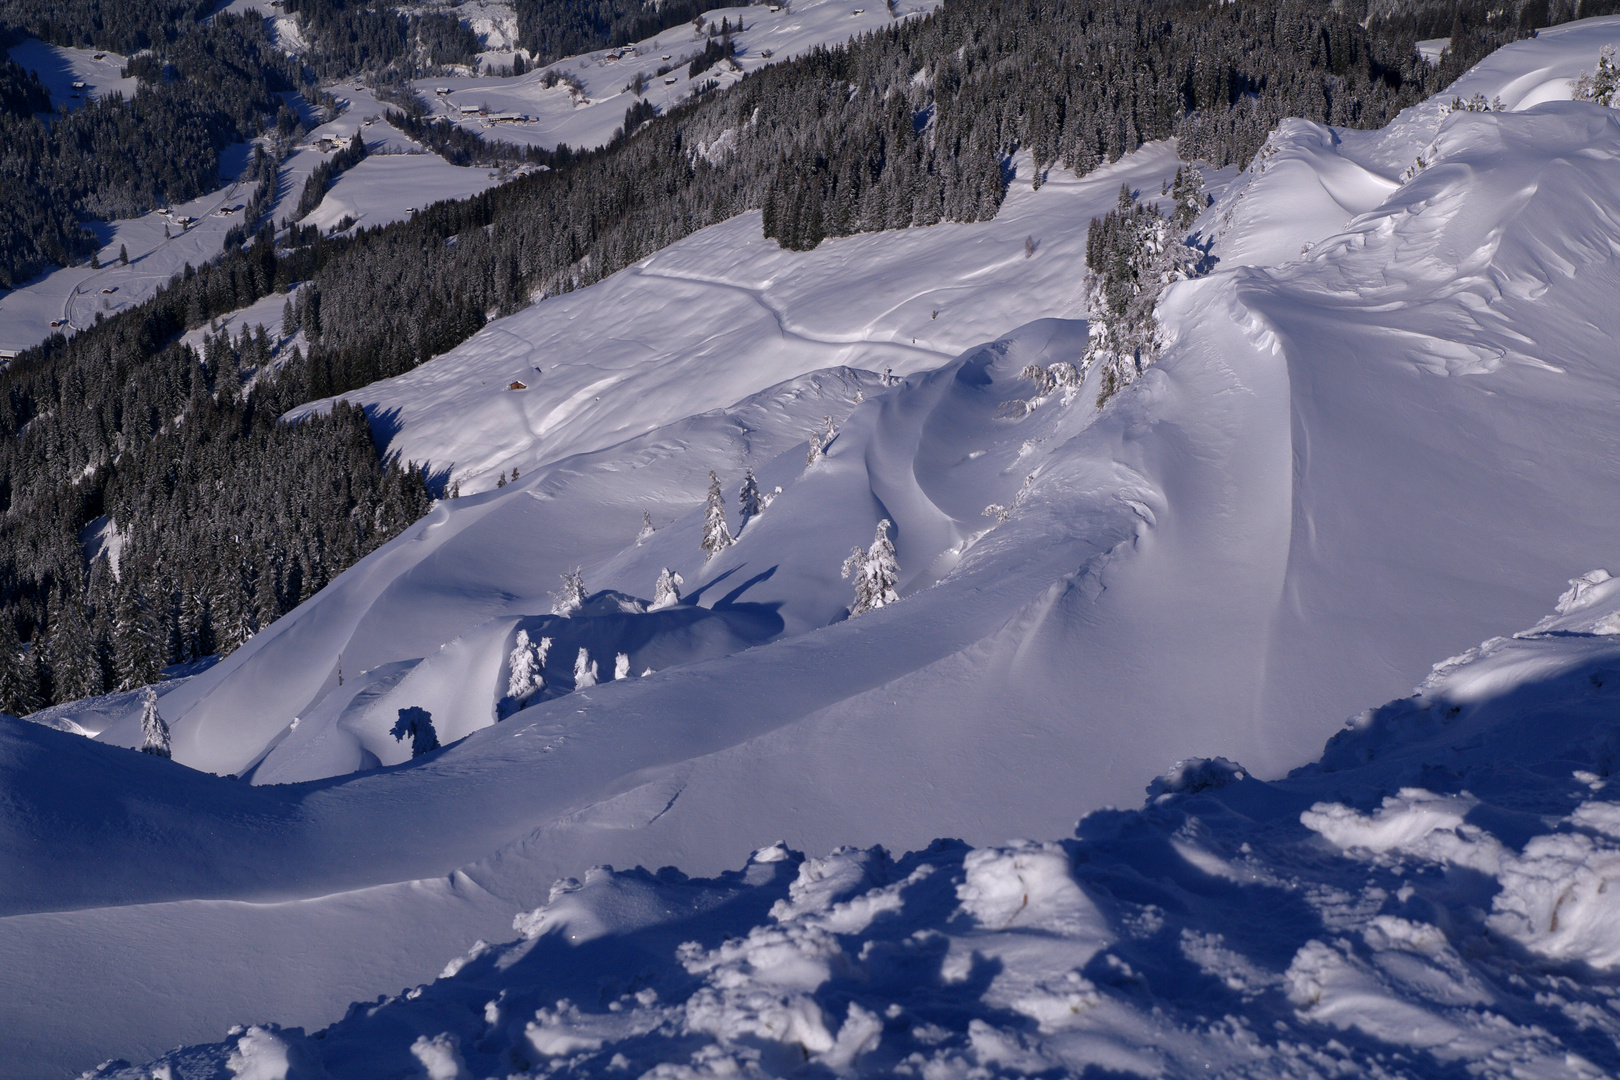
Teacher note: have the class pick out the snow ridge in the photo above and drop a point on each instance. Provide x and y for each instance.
(1446, 904)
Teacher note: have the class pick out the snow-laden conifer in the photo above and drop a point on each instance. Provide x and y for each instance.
(527, 663)
(1132, 253)
(749, 497)
(876, 572)
(154, 732)
(716, 534)
(14, 672)
(647, 529)
(621, 666)
(667, 590)
(819, 440)
(584, 670)
(571, 597)
(1601, 87)
(416, 724)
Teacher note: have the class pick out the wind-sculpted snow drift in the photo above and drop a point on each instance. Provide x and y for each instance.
(1380, 431)
(1439, 895)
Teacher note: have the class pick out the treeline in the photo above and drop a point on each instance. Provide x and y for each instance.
(326, 173)
(347, 38)
(552, 29)
(216, 85)
(222, 517)
(125, 27)
(459, 146)
(1476, 28)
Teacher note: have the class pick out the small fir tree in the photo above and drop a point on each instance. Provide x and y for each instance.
(876, 573)
(571, 597)
(716, 534)
(527, 663)
(13, 670)
(416, 724)
(1602, 86)
(584, 671)
(647, 529)
(154, 732)
(621, 666)
(667, 591)
(819, 440)
(750, 500)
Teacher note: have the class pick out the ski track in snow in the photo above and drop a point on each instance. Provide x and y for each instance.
(1381, 431)
(760, 297)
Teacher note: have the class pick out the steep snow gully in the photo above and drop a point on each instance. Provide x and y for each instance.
(1381, 431)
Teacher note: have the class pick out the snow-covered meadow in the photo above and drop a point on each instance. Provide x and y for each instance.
(1380, 433)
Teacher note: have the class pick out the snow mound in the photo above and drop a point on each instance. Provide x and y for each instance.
(1262, 929)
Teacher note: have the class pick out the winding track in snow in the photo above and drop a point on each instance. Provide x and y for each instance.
(760, 297)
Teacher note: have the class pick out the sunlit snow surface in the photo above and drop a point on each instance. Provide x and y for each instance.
(1435, 897)
(1382, 433)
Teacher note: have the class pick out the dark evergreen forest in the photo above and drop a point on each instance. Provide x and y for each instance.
(227, 517)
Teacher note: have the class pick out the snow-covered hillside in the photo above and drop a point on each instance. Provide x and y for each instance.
(536, 109)
(1433, 897)
(1380, 432)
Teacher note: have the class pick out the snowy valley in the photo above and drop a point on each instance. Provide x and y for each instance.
(572, 778)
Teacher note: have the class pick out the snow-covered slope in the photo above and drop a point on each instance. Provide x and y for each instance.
(158, 247)
(1348, 462)
(585, 110)
(97, 72)
(1434, 897)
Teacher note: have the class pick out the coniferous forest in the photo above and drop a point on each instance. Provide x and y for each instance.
(224, 517)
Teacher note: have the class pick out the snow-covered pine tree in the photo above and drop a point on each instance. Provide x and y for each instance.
(667, 591)
(819, 440)
(876, 572)
(1132, 253)
(1602, 86)
(154, 732)
(526, 679)
(137, 653)
(882, 567)
(751, 505)
(75, 669)
(13, 670)
(621, 666)
(584, 670)
(1188, 191)
(716, 535)
(571, 597)
(647, 529)
(416, 724)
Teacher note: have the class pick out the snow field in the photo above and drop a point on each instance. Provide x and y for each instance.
(1233, 926)
(386, 187)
